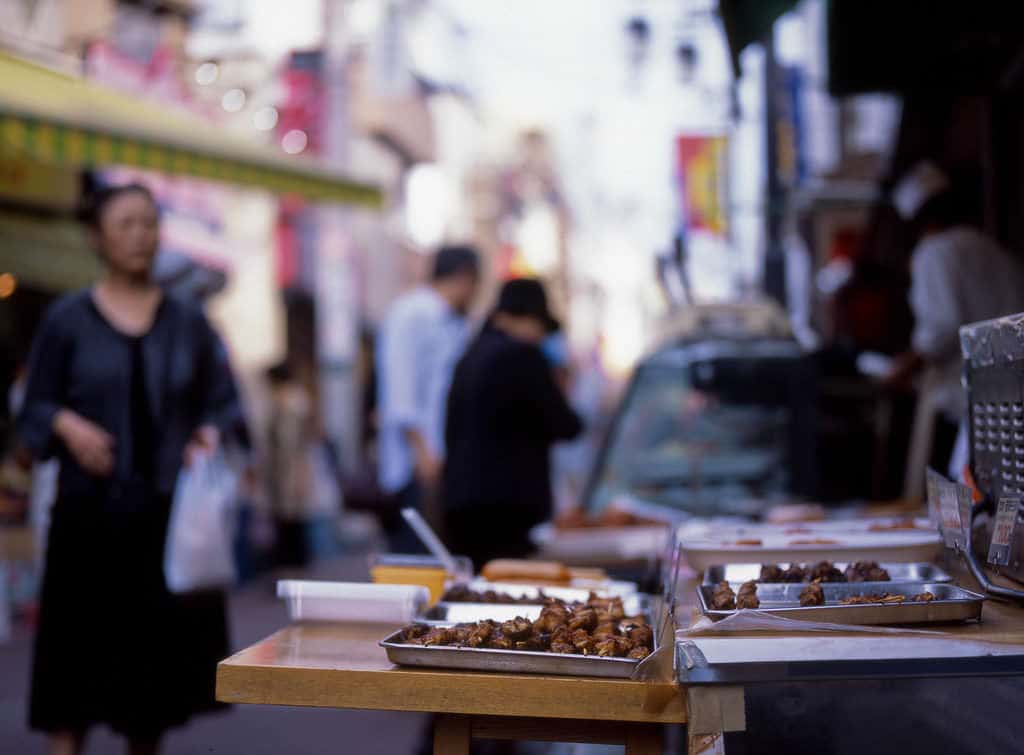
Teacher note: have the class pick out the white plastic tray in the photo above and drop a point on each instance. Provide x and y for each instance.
(310, 600)
(705, 545)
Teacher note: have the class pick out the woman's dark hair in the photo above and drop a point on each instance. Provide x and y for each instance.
(95, 202)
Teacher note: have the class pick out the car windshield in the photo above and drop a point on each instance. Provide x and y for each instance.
(707, 436)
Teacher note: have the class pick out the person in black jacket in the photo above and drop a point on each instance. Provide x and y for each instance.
(126, 384)
(505, 410)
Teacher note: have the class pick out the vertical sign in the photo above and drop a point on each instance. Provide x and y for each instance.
(701, 166)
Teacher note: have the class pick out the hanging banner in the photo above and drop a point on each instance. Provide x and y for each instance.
(702, 171)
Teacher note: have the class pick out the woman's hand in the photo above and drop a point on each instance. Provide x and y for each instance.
(90, 445)
(205, 440)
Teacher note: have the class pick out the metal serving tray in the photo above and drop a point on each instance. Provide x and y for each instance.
(951, 603)
(512, 661)
(457, 613)
(899, 573)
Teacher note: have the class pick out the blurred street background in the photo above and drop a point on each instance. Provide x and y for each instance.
(669, 171)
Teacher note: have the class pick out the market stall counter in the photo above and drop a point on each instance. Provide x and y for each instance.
(342, 665)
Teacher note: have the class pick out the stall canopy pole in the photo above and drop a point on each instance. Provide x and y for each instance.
(775, 203)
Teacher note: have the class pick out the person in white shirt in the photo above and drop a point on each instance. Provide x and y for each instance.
(421, 339)
(958, 276)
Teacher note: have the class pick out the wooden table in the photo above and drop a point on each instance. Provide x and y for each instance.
(341, 666)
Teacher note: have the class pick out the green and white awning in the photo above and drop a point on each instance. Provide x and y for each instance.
(55, 118)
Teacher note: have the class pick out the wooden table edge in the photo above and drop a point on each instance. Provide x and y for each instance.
(466, 693)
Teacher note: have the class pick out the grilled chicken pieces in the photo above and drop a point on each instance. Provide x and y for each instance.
(598, 627)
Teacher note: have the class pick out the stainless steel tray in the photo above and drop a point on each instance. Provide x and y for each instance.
(899, 573)
(951, 603)
(455, 613)
(511, 661)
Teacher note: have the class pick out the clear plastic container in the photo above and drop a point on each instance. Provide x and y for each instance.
(352, 601)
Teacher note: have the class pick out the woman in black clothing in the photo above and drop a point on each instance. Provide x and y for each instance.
(125, 384)
(505, 410)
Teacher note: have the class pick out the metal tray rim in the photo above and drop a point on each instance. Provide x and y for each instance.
(968, 600)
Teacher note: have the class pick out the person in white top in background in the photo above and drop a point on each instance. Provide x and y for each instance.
(421, 339)
(959, 275)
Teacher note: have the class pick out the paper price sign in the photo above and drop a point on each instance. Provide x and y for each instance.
(952, 527)
(1003, 531)
(965, 502)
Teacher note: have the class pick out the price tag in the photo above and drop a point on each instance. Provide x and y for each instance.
(965, 502)
(1003, 531)
(949, 504)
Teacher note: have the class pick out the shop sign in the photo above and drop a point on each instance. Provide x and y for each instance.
(701, 164)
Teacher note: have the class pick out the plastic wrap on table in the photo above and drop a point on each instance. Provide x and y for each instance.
(761, 621)
(984, 344)
(352, 601)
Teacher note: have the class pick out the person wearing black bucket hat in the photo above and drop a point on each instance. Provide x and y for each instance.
(505, 410)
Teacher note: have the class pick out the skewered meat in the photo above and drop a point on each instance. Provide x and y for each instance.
(414, 631)
(560, 628)
(552, 616)
(615, 647)
(812, 595)
(826, 572)
(611, 606)
(444, 636)
(584, 618)
(856, 600)
(866, 571)
(500, 642)
(583, 642)
(771, 573)
(747, 597)
(517, 628)
(723, 598)
(795, 573)
(641, 634)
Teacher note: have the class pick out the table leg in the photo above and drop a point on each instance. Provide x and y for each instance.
(451, 735)
(644, 739)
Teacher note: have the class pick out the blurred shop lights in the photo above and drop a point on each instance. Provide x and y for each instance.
(428, 204)
(8, 285)
(207, 73)
(538, 238)
(265, 118)
(233, 100)
(294, 141)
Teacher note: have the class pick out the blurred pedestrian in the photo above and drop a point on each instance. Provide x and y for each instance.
(422, 338)
(505, 410)
(959, 275)
(289, 434)
(125, 385)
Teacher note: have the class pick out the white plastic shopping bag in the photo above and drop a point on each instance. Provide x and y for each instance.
(200, 533)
